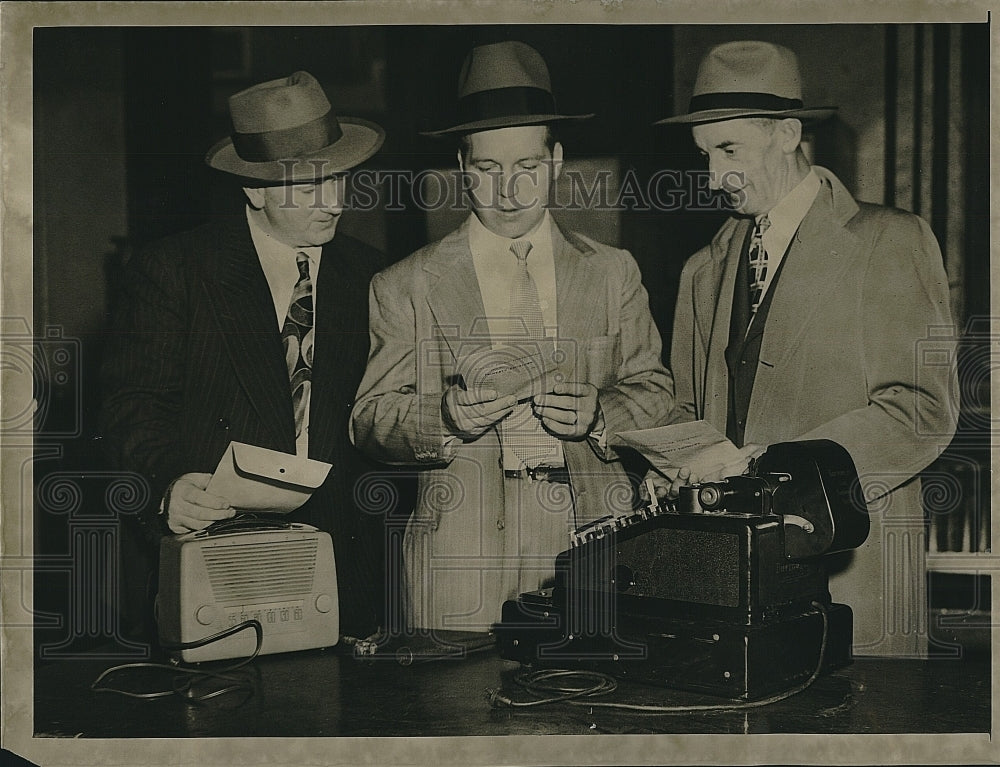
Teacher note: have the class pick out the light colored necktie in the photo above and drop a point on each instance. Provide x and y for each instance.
(758, 263)
(524, 302)
(522, 432)
(297, 338)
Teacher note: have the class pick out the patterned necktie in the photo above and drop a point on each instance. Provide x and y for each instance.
(522, 432)
(524, 302)
(758, 263)
(297, 338)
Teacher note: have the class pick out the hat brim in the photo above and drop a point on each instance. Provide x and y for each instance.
(360, 140)
(815, 114)
(513, 121)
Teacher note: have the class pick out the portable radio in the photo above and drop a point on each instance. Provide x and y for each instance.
(278, 573)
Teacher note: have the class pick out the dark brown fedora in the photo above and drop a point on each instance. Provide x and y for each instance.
(504, 85)
(285, 131)
(748, 78)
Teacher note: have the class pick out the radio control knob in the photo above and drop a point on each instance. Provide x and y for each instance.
(324, 603)
(205, 615)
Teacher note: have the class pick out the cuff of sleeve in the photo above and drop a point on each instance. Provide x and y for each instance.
(161, 514)
(599, 434)
(448, 446)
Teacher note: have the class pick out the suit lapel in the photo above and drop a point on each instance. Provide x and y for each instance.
(243, 308)
(341, 342)
(453, 291)
(821, 253)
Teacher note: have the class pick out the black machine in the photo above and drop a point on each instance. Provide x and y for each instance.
(726, 593)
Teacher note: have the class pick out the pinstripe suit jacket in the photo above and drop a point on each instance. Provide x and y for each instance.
(194, 360)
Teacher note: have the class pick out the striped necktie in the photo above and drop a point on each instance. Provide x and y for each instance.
(757, 255)
(297, 338)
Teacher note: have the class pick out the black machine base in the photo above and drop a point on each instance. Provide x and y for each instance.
(735, 661)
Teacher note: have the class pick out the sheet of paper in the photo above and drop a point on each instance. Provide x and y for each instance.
(696, 444)
(521, 368)
(254, 478)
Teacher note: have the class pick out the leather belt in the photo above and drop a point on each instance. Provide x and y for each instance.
(558, 474)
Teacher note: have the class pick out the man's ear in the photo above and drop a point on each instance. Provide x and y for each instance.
(557, 160)
(790, 132)
(255, 196)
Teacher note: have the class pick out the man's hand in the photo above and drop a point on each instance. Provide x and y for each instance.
(570, 411)
(468, 414)
(661, 486)
(189, 507)
(688, 475)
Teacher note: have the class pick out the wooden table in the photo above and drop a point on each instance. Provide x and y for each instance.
(329, 693)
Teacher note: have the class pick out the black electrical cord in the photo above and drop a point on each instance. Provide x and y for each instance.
(603, 684)
(592, 684)
(184, 686)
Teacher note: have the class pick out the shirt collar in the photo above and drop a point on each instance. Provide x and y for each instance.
(273, 249)
(786, 216)
(482, 240)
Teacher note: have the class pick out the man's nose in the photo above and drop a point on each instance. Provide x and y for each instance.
(503, 185)
(331, 194)
(715, 174)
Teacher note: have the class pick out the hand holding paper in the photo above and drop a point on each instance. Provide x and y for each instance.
(520, 369)
(467, 414)
(188, 506)
(688, 453)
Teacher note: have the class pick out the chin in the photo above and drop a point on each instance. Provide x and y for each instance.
(511, 226)
(325, 234)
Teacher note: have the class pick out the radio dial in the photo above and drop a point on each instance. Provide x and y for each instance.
(324, 603)
(205, 615)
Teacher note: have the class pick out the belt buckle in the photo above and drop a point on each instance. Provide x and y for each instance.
(540, 473)
(550, 474)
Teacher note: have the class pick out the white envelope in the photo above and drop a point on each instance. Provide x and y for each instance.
(254, 478)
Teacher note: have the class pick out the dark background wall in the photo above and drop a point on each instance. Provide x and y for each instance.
(123, 118)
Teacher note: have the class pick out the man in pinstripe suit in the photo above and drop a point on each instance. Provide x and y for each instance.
(197, 355)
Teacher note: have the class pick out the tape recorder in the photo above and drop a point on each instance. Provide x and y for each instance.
(725, 592)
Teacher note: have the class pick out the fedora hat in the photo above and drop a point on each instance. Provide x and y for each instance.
(503, 85)
(285, 131)
(748, 78)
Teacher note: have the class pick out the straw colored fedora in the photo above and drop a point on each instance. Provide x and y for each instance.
(748, 79)
(503, 85)
(285, 131)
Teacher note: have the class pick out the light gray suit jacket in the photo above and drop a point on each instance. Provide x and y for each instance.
(858, 348)
(427, 310)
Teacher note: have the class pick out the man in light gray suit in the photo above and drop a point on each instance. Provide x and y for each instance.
(813, 316)
(504, 480)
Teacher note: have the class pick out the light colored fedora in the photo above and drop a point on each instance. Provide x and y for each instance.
(285, 131)
(748, 78)
(503, 85)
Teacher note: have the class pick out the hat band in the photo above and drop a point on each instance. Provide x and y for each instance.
(286, 143)
(744, 100)
(505, 102)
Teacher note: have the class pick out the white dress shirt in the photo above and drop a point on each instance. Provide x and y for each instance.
(278, 262)
(785, 218)
(496, 268)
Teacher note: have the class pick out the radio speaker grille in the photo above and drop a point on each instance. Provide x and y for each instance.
(256, 572)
